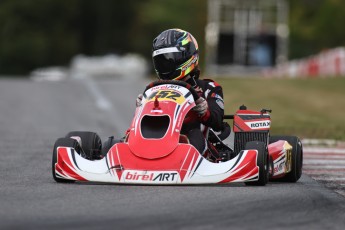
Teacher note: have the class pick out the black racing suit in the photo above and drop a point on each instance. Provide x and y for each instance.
(213, 118)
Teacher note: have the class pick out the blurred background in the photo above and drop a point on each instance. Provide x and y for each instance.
(297, 44)
(231, 33)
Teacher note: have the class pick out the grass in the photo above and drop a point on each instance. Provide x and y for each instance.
(308, 108)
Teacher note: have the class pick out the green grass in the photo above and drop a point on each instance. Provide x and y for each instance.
(308, 108)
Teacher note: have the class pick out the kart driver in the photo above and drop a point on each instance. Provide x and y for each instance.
(175, 56)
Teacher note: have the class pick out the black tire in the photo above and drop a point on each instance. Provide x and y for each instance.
(91, 144)
(296, 158)
(262, 162)
(64, 142)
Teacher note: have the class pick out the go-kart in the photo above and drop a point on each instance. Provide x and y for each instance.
(154, 151)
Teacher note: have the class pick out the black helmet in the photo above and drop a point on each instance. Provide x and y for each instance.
(175, 54)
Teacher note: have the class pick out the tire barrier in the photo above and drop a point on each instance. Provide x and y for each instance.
(328, 63)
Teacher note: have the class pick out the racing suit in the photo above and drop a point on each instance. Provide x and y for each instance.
(213, 118)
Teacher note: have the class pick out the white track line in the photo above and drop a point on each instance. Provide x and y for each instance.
(342, 179)
(324, 162)
(317, 156)
(323, 150)
(322, 166)
(101, 101)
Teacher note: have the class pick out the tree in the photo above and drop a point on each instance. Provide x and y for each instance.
(315, 25)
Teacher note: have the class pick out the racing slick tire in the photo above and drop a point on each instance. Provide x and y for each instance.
(62, 142)
(91, 144)
(262, 162)
(296, 158)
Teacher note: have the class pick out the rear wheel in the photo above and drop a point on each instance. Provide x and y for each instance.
(62, 142)
(262, 162)
(296, 158)
(90, 143)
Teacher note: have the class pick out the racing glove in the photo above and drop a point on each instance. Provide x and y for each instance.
(201, 106)
(138, 100)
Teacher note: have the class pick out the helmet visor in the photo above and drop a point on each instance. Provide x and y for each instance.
(167, 60)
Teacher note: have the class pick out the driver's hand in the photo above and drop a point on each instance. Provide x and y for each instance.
(201, 106)
(138, 100)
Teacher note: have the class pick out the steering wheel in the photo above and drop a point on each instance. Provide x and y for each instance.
(174, 82)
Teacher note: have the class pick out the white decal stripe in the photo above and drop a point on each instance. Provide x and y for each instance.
(69, 151)
(112, 164)
(280, 157)
(239, 169)
(165, 50)
(245, 177)
(109, 162)
(136, 124)
(71, 169)
(190, 169)
(212, 84)
(243, 156)
(174, 120)
(185, 158)
(207, 92)
(118, 157)
(63, 176)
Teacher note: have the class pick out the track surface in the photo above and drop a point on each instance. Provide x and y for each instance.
(34, 114)
(326, 165)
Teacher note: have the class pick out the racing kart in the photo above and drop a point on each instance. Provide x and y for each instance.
(154, 151)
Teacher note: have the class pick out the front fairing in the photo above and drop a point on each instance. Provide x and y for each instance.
(167, 105)
(281, 154)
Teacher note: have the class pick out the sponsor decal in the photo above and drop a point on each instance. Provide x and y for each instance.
(288, 159)
(220, 103)
(147, 176)
(259, 124)
(280, 168)
(190, 63)
(165, 87)
(171, 95)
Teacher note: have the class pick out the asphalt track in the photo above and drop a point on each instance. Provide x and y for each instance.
(34, 114)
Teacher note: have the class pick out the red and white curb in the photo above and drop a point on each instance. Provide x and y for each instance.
(326, 165)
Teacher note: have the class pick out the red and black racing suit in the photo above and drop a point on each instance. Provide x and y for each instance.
(213, 118)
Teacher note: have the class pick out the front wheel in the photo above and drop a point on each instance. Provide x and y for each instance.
(90, 143)
(262, 161)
